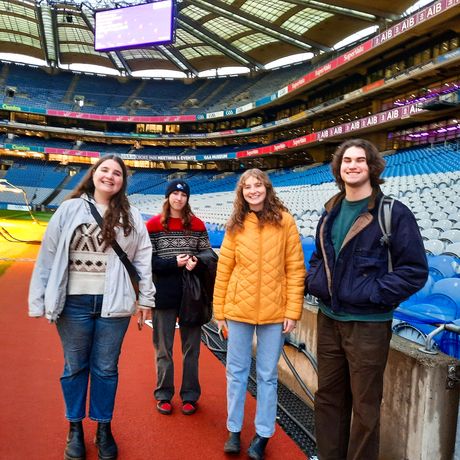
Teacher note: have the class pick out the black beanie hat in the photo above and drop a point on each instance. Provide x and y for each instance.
(179, 185)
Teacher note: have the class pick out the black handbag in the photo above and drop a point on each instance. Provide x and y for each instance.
(134, 276)
(197, 291)
(194, 301)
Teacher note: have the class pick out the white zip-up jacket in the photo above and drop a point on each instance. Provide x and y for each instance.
(48, 286)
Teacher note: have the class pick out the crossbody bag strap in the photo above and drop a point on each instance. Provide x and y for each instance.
(116, 247)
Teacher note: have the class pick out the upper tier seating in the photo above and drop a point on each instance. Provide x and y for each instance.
(111, 96)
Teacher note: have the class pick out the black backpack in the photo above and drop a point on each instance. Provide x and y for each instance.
(384, 217)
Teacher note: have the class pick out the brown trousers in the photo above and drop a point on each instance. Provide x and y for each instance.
(351, 361)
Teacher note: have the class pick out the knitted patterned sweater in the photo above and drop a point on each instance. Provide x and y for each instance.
(166, 245)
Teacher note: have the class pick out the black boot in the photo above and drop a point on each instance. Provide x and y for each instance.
(233, 443)
(108, 449)
(256, 450)
(75, 449)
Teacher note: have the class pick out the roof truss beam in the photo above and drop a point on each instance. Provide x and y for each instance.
(47, 32)
(364, 16)
(170, 53)
(117, 60)
(234, 14)
(383, 15)
(55, 35)
(195, 28)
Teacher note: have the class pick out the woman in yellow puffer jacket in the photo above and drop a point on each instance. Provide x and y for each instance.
(259, 288)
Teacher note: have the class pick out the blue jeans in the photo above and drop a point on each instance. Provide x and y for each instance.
(92, 346)
(270, 340)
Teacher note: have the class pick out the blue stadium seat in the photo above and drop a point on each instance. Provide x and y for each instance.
(445, 294)
(441, 266)
(452, 250)
(434, 247)
(430, 233)
(216, 237)
(443, 224)
(450, 236)
(420, 296)
(308, 247)
(424, 313)
(450, 342)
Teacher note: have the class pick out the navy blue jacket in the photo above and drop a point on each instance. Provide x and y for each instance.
(358, 281)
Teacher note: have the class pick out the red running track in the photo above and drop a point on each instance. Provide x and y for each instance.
(32, 423)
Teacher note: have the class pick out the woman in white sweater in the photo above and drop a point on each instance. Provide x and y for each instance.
(81, 284)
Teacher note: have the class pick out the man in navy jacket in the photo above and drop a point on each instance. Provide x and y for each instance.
(349, 273)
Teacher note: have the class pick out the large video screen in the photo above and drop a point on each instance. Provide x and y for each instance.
(134, 26)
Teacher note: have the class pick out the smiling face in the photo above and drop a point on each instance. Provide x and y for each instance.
(177, 202)
(354, 169)
(108, 181)
(254, 193)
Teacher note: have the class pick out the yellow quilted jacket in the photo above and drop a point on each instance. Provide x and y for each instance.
(260, 273)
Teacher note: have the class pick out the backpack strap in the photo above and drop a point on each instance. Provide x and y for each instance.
(384, 218)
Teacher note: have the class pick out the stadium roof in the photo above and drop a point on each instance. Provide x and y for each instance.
(210, 34)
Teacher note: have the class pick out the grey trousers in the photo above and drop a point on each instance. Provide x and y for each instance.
(164, 328)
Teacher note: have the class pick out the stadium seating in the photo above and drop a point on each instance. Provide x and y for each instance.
(427, 180)
(38, 89)
(450, 236)
(453, 250)
(445, 294)
(441, 266)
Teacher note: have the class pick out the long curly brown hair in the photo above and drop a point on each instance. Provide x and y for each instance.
(118, 209)
(187, 215)
(272, 210)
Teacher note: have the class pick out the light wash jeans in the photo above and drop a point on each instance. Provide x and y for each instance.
(92, 346)
(270, 340)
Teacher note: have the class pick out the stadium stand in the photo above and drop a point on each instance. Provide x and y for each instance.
(304, 192)
(399, 92)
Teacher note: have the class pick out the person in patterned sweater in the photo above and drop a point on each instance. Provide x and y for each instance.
(177, 236)
(80, 284)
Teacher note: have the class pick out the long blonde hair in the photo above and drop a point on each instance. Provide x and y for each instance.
(272, 209)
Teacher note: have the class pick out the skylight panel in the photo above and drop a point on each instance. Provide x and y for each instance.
(200, 51)
(253, 41)
(16, 8)
(225, 28)
(304, 20)
(23, 25)
(185, 38)
(268, 10)
(143, 54)
(76, 34)
(20, 39)
(79, 48)
(193, 12)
